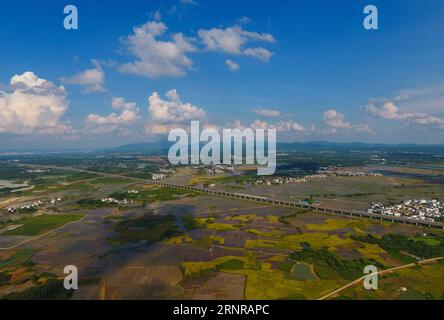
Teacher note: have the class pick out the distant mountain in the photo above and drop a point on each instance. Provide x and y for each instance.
(320, 145)
(149, 148)
(161, 147)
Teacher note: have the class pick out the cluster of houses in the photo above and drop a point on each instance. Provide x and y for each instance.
(158, 176)
(422, 210)
(333, 171)
(220, 169)
(32, 206)
(323, 173)
(377, 158)
(123, 202)
(167, 170)
(37, 171)
(287, 180)
(163, 173)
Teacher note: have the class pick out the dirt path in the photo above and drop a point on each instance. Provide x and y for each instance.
(382, 272)
(42, 235)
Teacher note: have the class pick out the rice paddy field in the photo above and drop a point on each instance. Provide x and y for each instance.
(174, 244)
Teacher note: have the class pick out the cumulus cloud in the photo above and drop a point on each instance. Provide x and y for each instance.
(282, 126)
(233, 40)
(129, 113)
(172, 109)
(290, 126)
(154, 57)
(259, 53)
(114, 122)
(157, 54)
(171, 112)
(33, 106)
(233, 66)
(269, 113)
(93, 80)
(335, 120)
(390, 111)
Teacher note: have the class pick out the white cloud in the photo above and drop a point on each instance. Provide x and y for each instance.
(430, 99)
(34, 106)
(169, 113)
(335, 120)
(282, 126)
(270, 113)
(129, 114)
(191, 2)
(233, 41)
(157, 54)
(233, 66)
(172, 109)
(259, 53)
(244, 20)
(390, 111)
(92, 79)
(289, 126)
(154, 57)
(157, 15)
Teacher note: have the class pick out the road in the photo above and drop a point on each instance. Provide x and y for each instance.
(41, 235)
(382, 272)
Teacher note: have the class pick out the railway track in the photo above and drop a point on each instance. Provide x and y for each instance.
(264, 200)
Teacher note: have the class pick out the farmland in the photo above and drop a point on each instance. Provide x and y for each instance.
(165, 243)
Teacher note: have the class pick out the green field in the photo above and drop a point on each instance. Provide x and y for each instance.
(147, 228)
(40, 224)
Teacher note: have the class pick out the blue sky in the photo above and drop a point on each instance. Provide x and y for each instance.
(307, 68)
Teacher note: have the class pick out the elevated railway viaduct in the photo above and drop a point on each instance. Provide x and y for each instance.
(291, 204)
(275, 202)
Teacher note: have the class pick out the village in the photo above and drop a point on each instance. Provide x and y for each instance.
(421, 210)
(322, 173)
(26, 208)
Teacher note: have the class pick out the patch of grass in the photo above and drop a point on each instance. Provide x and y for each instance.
(191, 223)
(267, 234)
(273, 219)
(264, 284)
(53, 289)
(37, 225)
(195, 269)
(227, 263)
(335, 224)
(154, 195)
(93, 204)
(245, 218)
(18, 259)
(208, 241)
(148, 228)
(397, 244)
(206, 180)
(221, 227)
(347, 269)
(233, 264)
(4, 278)
(283, 219)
